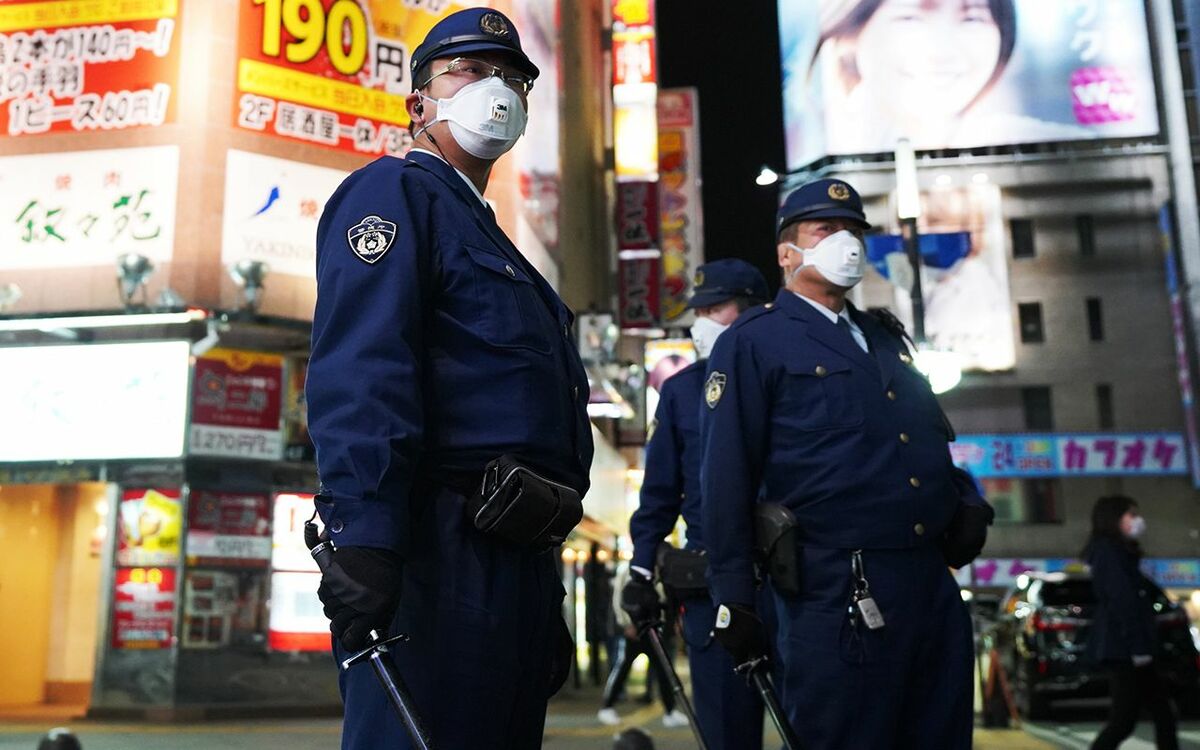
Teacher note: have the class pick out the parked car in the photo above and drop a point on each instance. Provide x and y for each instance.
(1042, 634)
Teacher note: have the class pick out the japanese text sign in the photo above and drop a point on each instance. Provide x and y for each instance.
(228, 529)
(236, 405)
(639, 292)
(86, 208)
(143, 608)
(682, 227)
(86, 65)
(1124, 454)
(331, 72)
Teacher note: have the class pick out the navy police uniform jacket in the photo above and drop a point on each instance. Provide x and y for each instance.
(436, 348)
(672, 482)
(853, 443)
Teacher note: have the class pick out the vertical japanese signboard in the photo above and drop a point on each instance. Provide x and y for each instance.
(236, 405)
(1183, 351)
(639, 257)
(331, 72)
(635, 89)
(87, 65)
(143, 608)
(85, 208)
(682, 227)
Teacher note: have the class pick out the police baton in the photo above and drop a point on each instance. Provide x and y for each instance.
(376, 650)
(759, 675)
(660, 653)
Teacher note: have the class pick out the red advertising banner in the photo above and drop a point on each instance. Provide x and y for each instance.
(143, 608)
(633, 42)
(86, 65)
(226, 528)
(637, 216)
(331, 72)
(236, 405)
(640, 306)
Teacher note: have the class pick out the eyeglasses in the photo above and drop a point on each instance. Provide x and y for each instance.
(476, 70)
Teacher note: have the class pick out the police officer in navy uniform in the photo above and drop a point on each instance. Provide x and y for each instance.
(437, 347)
(728, 710)
(816, 407)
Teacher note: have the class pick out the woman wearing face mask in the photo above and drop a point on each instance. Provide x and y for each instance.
(1123, 630)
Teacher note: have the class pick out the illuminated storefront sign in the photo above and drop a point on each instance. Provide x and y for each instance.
(237, 402)
(87, 65)
(331, 72)
(97, 401)
(1068, 455)
(680, 210)
(858, 75)
(271, 211)
(86, 208)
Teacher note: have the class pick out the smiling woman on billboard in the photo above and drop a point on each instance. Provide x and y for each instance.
(860, 74)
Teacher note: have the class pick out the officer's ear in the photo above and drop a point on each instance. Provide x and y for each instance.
(783, 250)
(415, 107)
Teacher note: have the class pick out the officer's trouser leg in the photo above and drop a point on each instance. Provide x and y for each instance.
(907, 685)
(728, 710)
(485, 619)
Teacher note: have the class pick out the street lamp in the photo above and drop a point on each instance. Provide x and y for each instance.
(133, 270)
(249, 275)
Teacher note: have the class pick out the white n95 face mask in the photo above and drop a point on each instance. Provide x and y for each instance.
(838, 257)
(704, 335)
(486, 117)
(1137, 527)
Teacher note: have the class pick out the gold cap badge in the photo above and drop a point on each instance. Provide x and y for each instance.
(839, 191)
(494, 24)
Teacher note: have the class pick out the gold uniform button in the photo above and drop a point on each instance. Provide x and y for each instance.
(821, 371)
(919, 529)
(891, 395)
(905, 358)
(904, 437)
(914, 481)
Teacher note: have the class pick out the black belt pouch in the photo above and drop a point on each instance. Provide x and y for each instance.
(777, 544)
(523, 507)
(684, 572)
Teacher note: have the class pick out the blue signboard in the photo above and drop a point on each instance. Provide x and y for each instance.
(1068, 455)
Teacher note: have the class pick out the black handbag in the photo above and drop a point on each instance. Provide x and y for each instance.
(523, 507)
(683, 572)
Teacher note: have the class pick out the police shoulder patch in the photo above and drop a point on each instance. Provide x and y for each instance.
(371, 238)
(714, 388)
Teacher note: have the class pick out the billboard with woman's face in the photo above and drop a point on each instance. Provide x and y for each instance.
(860, 74)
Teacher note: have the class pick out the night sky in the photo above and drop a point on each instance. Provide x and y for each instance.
(730, 53)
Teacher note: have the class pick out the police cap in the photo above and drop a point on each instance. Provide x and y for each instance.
(472, 30)
(724, 279)
(823, 199)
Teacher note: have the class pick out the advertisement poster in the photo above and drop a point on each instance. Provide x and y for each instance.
(143, 608)
(538, 167)
(640, 286)
(860, 74)
(237, 401)
(335, 73)
(223, 608)
(296, 622)
(226, 528)
(60, 421)
(1105, 454)
(271, 211)
(968, 305)
(679, 199)
(664, 358)
(77, 66)
(86, 208)
(149, 522)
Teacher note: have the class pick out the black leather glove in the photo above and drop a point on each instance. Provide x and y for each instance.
(741, 632)
(640, 601)
(966, 534)
(360, 591)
